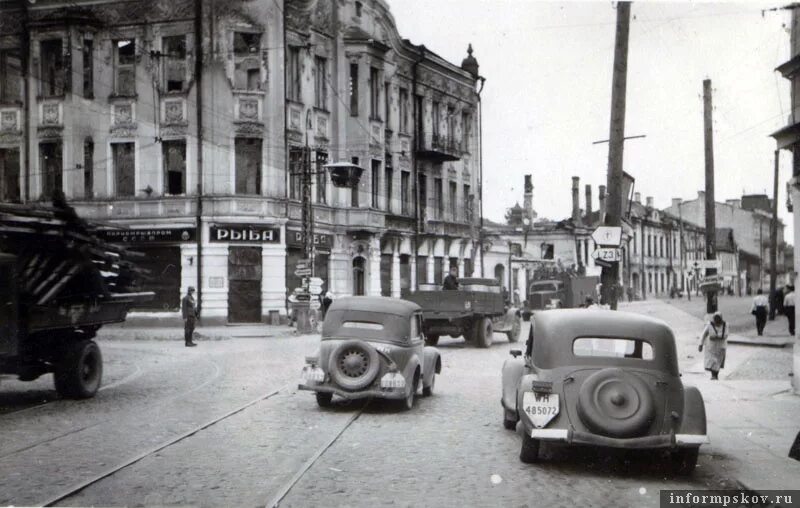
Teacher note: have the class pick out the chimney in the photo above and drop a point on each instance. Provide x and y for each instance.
(637, 197)
(588, 204)
(601, 196)
(676, 202)
(528, 197)
(701, 195)
(576, 210)
(650, 202)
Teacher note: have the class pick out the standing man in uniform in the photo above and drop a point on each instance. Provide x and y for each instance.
(788, 308)
(189, 313)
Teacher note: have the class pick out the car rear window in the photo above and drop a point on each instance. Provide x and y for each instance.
(607, 347)
(362, 325)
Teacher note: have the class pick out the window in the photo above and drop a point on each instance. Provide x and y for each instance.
(123, 157)
(247, 60)
(294, 91)
(418, 106)
(296, 161)
(387, 104)
(405, 192)
(320, 76)
(88, 68)
(376, 168)
(548, 251)
(453, 201)
(174, 58)
(125, 67)
(403, 110)
(650, 282)
(358, 9)
(175, 166)
(423, 196)
(354, 190)
(322, 177)
(451, 122)
(465, 131)
(649, 253)
(10, 76)
(661, 245)
(362, 325)
(374, 93)
(248, 166)
(414, 327)
(88, 168)
(438, 196)
(389, 177)
(435, 112)
(50, 164)
(9, 175)
(612, 348)
(634, 242)
(353, 89)
(469, 202)
(53, 72)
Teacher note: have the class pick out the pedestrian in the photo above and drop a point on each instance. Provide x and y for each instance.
(327, 300)
(714, 342)
(776, 306)
(760, 310)
(292, 312)
(189, 314)
(451, 280)
(788, 308)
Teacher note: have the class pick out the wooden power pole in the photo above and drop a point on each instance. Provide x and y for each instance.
(616, 142)
(711, 229)
(773, 233)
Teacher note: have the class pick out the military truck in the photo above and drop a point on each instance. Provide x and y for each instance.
(566, 292)
(474, 311)
(59, 283)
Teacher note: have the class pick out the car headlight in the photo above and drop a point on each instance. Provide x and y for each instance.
(393, 380)
(312, 374)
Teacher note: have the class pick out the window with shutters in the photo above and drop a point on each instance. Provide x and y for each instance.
(248, 166)
(173, 55)
(174, 153)
(124, 160)
(125, 67)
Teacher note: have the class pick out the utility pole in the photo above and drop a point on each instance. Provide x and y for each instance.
(773, 232)
(684, 287)
(610, 274)
(711, 251)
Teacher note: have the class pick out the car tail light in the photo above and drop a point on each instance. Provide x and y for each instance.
(312, 374)
(467, 305)
(393, 380)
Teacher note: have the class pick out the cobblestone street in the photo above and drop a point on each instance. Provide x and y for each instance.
(451, 449)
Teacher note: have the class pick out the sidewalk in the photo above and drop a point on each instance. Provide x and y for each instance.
(122, 331)
(751, 423)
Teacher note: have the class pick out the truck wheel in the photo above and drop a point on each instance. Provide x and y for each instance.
(513, 334)
(431, 340)
(484, 333)
(78, 374)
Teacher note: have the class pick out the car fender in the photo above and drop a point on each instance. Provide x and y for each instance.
(432, 364)
(411, 366)
(513, 369)
(694, 412)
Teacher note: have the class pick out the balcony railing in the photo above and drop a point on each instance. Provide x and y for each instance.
(439, 148)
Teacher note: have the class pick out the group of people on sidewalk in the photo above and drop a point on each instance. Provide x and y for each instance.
(782, 302)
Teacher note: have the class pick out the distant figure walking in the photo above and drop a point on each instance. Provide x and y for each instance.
(760, 310)
(714, 342)
(776, 305)
(189, 313)
(451, 281)
(788, 308)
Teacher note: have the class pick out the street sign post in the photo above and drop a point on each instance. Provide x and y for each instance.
(316, 281)
(315, 305)
(315, 290)
(608, 236)
(607, 254)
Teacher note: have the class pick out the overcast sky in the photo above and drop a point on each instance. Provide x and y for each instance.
(548, 93)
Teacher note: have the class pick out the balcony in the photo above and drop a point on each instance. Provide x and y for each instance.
(439, 148)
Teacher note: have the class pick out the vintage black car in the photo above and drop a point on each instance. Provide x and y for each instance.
(372, 346)
(602, 378)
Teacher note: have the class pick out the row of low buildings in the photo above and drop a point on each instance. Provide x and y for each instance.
(180, 125)
(660, 249)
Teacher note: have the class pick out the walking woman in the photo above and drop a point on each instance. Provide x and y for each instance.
(714, 341)
(760, 310)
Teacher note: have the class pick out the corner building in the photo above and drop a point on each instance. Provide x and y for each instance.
(357, 92)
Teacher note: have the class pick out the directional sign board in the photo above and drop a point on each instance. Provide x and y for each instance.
(302, 272)
(302, 264)
(316, 281)
(315, 290)
(608, 236)
(609, 255)
(708, 263)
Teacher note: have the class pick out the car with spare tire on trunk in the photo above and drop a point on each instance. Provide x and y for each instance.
(606, 379)
(475, 311)
(371, 347)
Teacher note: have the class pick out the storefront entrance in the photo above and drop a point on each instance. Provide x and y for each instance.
(244, 284)
(163, 265)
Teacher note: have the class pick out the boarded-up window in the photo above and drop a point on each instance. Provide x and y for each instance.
(10, 75)
(9, 175)
(125, 67)
(88, 168)
(248, 166)
(322, 177)
(124, 168)
(175, 166)
(293, 84)
(88, 68)
(50, 162)
(53, 72)
(247, 60)
(174, 58)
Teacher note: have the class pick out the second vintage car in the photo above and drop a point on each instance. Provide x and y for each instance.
(372, 346)
(606, 379)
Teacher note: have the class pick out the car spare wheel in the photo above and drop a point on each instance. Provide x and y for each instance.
(616, 403)
(354, 365)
